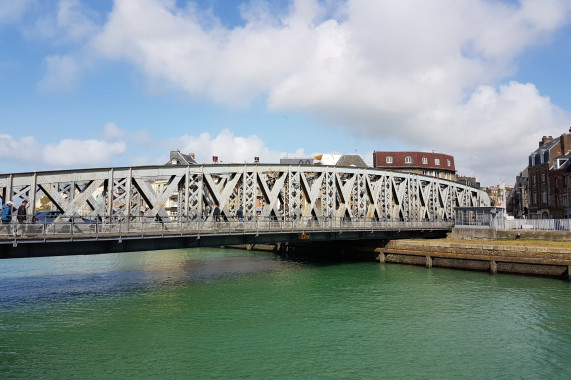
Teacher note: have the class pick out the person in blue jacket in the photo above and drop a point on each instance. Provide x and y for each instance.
(7, 212)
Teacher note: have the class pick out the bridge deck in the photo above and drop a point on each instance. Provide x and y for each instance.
(17, 240)
(141, 229)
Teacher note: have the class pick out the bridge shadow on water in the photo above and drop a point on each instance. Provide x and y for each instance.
(333, 252)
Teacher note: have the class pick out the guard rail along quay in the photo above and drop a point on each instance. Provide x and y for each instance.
(150, 205)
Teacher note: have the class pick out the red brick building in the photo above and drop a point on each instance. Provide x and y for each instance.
(430, 164)
(549, 171)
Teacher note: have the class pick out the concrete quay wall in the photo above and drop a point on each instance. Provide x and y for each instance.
(497, 256)
(481, 256)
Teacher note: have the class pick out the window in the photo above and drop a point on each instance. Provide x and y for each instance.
(534, 179)
(408, 160)
(448, 162)
(389, 159)
(437, 161)
(544, 197)
(424, 160)
(542, 177)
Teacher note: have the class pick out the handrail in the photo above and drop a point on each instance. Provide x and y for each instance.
(533, 224)
(77, 227)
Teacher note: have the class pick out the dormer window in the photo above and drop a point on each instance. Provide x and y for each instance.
(560, 162)
(437, 161)
(425, 160)
(389, 159)
(408, 160)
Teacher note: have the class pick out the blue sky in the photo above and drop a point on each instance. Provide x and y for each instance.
(122, 82)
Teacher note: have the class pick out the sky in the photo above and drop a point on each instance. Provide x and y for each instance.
(101, 83)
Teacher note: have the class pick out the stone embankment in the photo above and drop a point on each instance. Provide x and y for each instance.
(528, 257)
(535, 253)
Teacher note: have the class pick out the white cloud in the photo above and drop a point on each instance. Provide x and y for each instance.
(62, 74)
(228, 147)
(112, 132)
(81, 153)
(21, 150)
(427, 74)
(12, 10)
(71, 22)
(400, 52)
(492, 133)
(27, 151)
(76, 21)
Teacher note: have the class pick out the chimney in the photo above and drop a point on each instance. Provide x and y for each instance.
(545, 139)
(214, 159)
(565, 141)
(256, 159)
(191, 155)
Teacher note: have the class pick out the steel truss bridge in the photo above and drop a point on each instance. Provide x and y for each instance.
(137, 208)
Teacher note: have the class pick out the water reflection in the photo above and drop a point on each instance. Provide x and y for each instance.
(49, 278)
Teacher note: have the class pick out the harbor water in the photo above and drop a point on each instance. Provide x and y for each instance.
(226, 314)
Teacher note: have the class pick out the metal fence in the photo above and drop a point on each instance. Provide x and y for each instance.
(144, 227)
(532, 224)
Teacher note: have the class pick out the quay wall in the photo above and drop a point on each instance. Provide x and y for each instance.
(470, 254)
(476, 255)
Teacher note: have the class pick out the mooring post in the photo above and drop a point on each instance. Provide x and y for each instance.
(381, 257)
(493, 267)
(429, 262)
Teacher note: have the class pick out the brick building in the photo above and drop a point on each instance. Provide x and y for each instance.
(430, 164)
(549, 169)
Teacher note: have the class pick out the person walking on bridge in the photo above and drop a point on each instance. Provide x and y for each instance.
(7, 212)
(22, 217)
(216, 213)
(22, 212)
(240, 214)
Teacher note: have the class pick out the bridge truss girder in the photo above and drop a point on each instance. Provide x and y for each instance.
(172, 192)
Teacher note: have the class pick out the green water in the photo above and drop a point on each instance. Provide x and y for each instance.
(211, 313)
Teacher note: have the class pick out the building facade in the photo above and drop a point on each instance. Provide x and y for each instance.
(518, 202)
(468, 181)
(430, 164)
(548, 178)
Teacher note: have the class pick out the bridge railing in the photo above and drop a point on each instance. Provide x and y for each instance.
(148, 226)
(533, 224)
